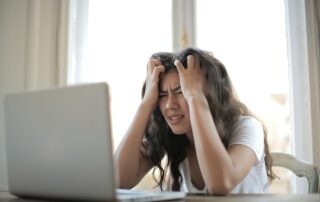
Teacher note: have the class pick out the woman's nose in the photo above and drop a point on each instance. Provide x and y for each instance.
(171, 102)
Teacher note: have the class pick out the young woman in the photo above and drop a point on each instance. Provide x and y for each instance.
(190, 114)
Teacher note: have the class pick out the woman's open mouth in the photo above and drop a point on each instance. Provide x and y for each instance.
(175, 119)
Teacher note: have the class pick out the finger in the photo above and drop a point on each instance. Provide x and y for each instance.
(191, 62)
(157, 70)
(179, 66)
(151, 64)
(155, 61)
(196, 61)
(149, 69)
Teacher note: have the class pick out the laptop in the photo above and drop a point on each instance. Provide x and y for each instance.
(59, 146)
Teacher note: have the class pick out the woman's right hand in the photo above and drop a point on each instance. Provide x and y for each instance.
(154, 69)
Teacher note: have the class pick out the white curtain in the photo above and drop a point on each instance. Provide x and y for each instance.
(78, 28)
(33, 52)
(47, 39)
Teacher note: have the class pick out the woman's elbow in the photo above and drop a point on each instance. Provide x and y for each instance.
(221, 189)
(124, 184)
(125, 181)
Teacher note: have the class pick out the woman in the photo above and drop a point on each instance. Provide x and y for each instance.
(190, 113)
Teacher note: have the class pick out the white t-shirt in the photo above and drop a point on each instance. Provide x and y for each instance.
(249, 132)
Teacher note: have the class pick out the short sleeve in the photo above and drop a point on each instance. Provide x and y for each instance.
(248, 131)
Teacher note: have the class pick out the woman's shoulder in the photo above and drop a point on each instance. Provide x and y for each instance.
(248, 120)
(249, 131)
(246, 124)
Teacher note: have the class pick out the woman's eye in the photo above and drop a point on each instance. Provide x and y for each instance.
(162, 95)
(179, 92)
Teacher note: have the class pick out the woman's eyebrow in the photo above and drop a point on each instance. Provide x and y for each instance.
(176, 88)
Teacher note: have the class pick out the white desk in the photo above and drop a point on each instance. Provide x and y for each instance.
(6, 197)
(258, 198)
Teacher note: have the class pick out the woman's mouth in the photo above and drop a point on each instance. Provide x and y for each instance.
(175, 119)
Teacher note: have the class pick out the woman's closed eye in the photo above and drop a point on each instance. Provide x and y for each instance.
(162, 94)
(178, 90)
(165, 93)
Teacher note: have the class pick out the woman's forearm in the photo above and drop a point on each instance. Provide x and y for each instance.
(132, 166)
(214, 162)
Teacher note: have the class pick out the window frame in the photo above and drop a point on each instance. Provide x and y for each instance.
(302, 17)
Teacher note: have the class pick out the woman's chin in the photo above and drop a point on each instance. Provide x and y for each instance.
(179, 129)
(178, 132)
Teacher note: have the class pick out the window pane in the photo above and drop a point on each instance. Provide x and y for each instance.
(249, 37)
(121, 37)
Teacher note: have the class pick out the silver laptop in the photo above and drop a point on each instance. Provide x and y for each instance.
(59, 146)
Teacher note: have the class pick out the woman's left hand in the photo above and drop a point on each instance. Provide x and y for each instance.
(191, 78)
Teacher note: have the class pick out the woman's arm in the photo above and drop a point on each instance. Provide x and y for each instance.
(131, 163)
(221, 169)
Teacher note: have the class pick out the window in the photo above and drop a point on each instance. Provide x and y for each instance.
(121, 36)
(249, 37)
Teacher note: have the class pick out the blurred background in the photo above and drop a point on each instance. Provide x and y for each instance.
(49, 43)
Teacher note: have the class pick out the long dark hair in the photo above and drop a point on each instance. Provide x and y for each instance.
(225, 108)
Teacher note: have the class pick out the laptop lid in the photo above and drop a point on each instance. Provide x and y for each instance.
(59, 143)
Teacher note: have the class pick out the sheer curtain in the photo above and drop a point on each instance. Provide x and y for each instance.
(116, 39)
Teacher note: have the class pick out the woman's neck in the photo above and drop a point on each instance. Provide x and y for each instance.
(190, 139)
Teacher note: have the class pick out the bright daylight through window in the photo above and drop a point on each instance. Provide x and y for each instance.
(248, 36)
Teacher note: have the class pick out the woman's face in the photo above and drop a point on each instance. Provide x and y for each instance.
(172, 104)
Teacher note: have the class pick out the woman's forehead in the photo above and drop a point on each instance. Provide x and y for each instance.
(170, 79)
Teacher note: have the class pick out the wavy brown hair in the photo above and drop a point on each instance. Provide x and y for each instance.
(225, 108)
